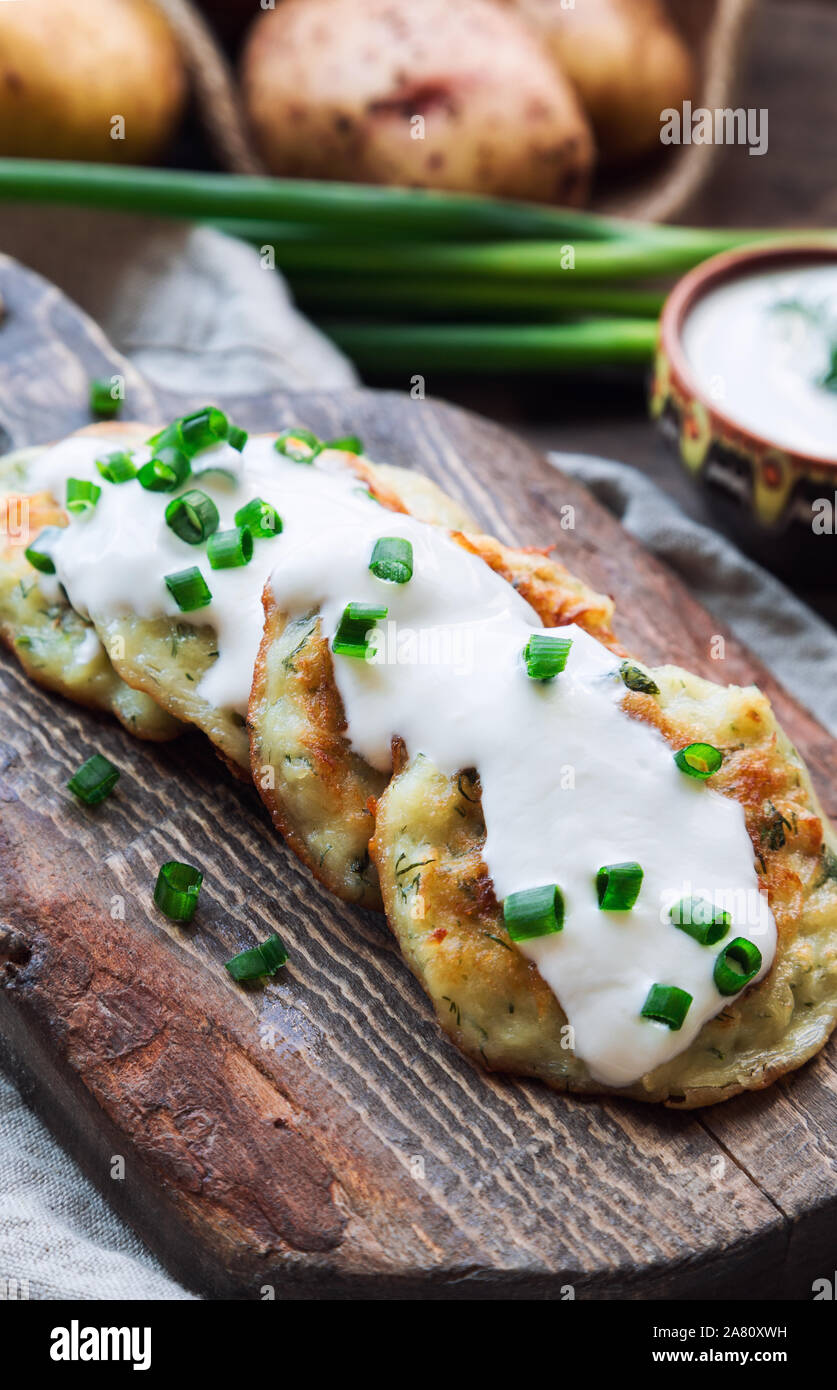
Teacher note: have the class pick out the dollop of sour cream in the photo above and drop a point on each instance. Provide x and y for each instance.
(570, 782)
(760, 346)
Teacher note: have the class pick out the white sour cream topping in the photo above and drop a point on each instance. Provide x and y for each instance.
(569, 782)
(760, 346)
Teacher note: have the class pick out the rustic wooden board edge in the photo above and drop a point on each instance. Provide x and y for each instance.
(60, 1099)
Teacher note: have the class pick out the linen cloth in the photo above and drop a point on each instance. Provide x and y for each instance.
(194, 310)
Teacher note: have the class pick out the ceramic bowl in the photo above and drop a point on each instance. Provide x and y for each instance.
(765, 493)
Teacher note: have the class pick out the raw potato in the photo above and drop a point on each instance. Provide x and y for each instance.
(334, 87)
(627, 63)
(67, 67)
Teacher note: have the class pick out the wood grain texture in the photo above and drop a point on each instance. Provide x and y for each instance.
(319, 1135)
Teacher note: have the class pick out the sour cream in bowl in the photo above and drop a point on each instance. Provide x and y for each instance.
(745, 383)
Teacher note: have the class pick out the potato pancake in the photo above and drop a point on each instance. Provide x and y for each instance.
(492, 1001)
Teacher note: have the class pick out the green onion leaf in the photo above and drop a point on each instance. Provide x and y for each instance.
(637, 679)
(38, 553)
(260, 519)
(392, 559)
(94, 780)
(102, 400)
(350, 444)
(618, 886)
(352, 635)
(667, 1004)
(265, 959)
(82, 496)
(176, 890)
(189, 589)
(546, 656)
(300, 445)
(166, 470)
(534, 912)
(736, 965)
(230, 549)
(698, 919)
(699, 759)
(117, 467)
(192, 516)
(236, 438)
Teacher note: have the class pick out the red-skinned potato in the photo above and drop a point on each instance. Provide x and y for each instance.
(418, 92)
(68, 67)
(626, 61)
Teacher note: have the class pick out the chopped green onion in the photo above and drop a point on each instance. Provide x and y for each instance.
(699, 759)
(192, 516)
(618, 886)
(94, 780)
(352, 635)
(698, 919)
(82, 496)
(169, 437)
(300, 445)
(667, 1004)
(202, 429)
(637, 679)
(117, 467)
(392, 559)
(102, 400)
(38, 553)
(166, 470)
(265, 959)
(230, 549)
(176, 890)
(546, 656)
(736, 965)
(260, 518)
(350, 444)
(534, 912)
(189, 589)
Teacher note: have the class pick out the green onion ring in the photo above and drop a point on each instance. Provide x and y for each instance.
(176, 890)
(230, 549)
(94, 780)
(192, 516)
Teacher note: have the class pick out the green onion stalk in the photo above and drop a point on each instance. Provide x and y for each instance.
(506, 286)
(387, 347)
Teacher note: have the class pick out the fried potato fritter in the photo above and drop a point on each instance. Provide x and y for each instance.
(57, 648)
(490, 998)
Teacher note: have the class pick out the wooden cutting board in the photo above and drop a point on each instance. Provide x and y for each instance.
(319, 1136)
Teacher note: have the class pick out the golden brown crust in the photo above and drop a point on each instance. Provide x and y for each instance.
(317, 791)
(557, 596)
